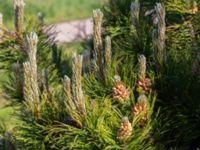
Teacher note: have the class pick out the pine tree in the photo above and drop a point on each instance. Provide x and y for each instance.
(95, 111)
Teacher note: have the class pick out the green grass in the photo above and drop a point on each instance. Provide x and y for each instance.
(54, 10)
(70, 48)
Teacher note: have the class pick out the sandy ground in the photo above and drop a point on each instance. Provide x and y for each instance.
(70, 31)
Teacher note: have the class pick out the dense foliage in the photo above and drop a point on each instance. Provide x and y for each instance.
(178, 82)
(138, 89)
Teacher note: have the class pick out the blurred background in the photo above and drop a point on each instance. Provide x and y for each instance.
(54, 10)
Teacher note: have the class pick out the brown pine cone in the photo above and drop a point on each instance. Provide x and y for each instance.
(194, 10)
(125, 130)
(120, 92)
(144, 85)
(140, 108)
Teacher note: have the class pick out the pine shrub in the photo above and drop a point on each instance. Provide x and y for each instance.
(139, 89)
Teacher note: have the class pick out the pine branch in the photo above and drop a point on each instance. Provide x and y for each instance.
(31, 99)
(69, 103)
(67, 95)
(32, 41)
(19, 16)
(28, 93)
(77, 92)
(98, 47)
(31, 89)
(160, 10)
(158, 35)
(1, 26)
(142, 67)
(135, 12)
(144, 83)
(108, 53)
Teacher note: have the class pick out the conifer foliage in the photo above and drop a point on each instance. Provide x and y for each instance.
(170, 24)
(136, 93)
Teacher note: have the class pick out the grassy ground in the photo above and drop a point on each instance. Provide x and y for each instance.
(54, 10)
(70, 48)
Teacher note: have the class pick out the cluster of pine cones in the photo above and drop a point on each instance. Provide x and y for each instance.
(140, 109)
(121, 93)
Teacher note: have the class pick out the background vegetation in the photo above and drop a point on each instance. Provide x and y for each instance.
(53, 10)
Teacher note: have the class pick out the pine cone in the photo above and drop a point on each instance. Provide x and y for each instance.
(194, 10)
(125, 130)
(120, 92)
(140, 108)
(195, 7)
(144, 85)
